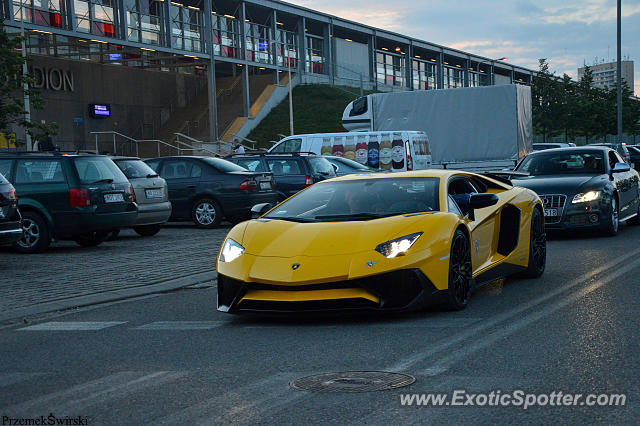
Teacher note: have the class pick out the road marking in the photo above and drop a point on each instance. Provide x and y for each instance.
(246, 404)
(181, 325)
(438, 322)
(408, 362)
(72, 326)
(453, 356)
(7, 379)
(79, 398)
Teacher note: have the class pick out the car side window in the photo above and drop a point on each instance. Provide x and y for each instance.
(39, 171)
(5, 168)
(612, 159)
(290, 145)
(196, 171)
(284, 167)
(461, 186)
(178, 169)
(453, 206)
(620, 160)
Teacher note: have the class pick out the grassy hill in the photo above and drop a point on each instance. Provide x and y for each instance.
(317, 108)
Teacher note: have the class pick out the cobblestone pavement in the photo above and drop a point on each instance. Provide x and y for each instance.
(68, 270)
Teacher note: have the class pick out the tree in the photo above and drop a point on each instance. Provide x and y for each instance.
(12, 81)
(547, 109)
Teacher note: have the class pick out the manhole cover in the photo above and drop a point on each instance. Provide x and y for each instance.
(353, 381)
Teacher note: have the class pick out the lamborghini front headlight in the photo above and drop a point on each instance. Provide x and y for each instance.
(231, 250)
(399, 246)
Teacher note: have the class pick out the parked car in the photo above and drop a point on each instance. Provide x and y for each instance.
(582, 188)
(206, 189)
(10, 221)
(634, 153)
(79, 197)
(152, 195)
(292, 171)
(345, 166)
(550, 145)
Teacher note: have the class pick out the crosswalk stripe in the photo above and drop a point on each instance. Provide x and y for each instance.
(244, 405)
(72, 326)
(78, 398)
(180, 325)
(7, 379)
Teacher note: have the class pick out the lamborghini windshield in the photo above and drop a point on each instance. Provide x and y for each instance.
(361, 199)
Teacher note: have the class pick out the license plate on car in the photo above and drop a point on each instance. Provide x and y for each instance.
(265, 185)
(551, 212)
(153, 193)
(113, 198)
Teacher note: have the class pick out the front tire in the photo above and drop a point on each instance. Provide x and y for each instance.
(611, 228)
(147, 230)
(206, 213)
(36, 237)
(537, 247)
(459, 288)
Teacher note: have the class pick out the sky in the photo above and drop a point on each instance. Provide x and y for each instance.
(567, 33)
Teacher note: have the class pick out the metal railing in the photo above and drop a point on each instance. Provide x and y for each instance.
(180, 146)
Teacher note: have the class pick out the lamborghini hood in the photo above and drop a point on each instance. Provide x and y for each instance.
(279, 238)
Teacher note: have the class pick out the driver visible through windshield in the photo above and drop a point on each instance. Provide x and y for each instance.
(360, 199)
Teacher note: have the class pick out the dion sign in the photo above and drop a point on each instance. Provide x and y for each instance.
(52, 78)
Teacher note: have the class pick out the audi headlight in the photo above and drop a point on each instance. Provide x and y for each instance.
(397, 247)
(231, 250)
(584, 197)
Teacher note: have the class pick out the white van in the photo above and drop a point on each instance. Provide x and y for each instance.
(394, 151)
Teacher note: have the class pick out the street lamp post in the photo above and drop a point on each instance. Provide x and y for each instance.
(619, 74)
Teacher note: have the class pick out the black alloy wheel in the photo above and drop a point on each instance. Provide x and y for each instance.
(537, 246)
(459, 289)
(35, 234)
(612, 225)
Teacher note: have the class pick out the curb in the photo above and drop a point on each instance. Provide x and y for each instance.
(108, 296)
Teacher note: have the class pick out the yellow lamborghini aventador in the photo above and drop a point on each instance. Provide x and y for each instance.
(383, 242)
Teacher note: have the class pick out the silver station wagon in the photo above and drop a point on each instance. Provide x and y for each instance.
(152, 197)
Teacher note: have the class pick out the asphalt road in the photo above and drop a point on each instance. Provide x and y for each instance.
(172, 359)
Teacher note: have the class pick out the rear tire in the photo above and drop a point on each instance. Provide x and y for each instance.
(36, 237)
(537, 247)
(91, 239)
(459, 287)
(147, 230)
(206, 213)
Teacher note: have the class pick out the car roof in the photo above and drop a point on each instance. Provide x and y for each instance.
(573, 148)
(122, 157)
(274, 154)
(427, 173)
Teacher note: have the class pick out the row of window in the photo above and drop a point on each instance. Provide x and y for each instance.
(145, 23)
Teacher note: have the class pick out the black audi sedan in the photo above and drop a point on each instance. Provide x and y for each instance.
(206, 189)
(582, 187)
(10, 221)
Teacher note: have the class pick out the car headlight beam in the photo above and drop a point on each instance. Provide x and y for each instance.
(584, 197)
(398, 246)
(231, 250)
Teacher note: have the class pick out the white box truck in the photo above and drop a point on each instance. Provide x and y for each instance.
(474, 127)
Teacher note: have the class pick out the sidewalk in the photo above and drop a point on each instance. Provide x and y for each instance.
(69, 276)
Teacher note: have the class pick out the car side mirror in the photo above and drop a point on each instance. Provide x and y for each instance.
(260, 209)
(621, 168)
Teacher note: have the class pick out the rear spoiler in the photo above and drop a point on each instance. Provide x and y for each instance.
(504, 176)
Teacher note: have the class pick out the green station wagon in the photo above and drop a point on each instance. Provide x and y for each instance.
(79, 197)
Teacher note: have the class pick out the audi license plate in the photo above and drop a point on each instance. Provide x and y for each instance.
(551, 212)
(113, 198)
(153, 193)
(265, 185)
